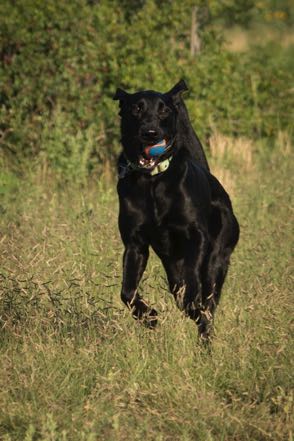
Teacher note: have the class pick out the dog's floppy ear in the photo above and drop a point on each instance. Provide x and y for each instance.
(176, 91)
(120, 94)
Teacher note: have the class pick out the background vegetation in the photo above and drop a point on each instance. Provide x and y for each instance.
(62, 61)
(74, 365)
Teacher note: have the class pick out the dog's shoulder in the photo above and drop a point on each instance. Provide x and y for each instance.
(217, 190)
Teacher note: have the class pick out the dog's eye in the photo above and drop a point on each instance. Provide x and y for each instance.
(164, 111)
(137, 108)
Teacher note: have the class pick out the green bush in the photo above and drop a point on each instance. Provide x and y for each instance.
(62, 61)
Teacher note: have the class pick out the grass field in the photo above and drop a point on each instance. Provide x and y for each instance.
(75, 366)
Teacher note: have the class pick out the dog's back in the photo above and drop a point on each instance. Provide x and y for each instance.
(190, 139)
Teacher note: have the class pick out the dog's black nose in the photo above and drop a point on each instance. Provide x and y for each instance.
(150, 134)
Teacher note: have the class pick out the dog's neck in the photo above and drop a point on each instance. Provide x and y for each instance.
(162, 162)
(126, 167)
(160, 167)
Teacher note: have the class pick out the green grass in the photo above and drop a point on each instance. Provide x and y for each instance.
(75, 366)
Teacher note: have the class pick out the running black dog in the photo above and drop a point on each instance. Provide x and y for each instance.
(170, 201)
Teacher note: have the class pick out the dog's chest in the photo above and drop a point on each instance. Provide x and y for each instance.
(168, 206)
(168, 220)
(160, 203)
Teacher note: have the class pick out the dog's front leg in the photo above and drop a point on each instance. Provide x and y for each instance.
(134, 263)
(184, 276)
(185, 285)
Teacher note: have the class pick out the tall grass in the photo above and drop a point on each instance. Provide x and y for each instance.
(75, 366)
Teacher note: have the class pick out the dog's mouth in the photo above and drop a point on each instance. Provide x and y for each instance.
(147, 163)
(151, 154)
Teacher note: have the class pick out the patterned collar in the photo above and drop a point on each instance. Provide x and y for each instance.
(128, 167)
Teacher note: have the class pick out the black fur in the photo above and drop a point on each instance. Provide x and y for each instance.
(183, 213)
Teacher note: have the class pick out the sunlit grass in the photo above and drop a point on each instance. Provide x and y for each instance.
(74, 365)
(238, 39)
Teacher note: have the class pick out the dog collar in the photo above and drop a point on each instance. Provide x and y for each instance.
(161, 167)
(127, 166)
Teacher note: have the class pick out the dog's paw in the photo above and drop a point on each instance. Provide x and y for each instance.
(149, 319)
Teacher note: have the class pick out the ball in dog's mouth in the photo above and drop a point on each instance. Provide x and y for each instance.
(156, 149)
(151, 154)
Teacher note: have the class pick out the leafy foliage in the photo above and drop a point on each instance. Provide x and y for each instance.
(62, 61)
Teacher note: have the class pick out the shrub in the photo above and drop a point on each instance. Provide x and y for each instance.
(62, 61)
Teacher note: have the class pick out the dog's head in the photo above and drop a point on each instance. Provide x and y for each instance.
(148, 119)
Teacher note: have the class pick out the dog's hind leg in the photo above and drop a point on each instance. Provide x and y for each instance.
(213, 277)
(134, 263)
(215, 268)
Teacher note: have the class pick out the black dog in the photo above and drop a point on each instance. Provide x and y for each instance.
(171, 202)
